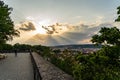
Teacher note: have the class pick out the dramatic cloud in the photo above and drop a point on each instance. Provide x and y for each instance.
(63, 34)
(27, 26)
(59, 28)
(75, 34)
(55, 28)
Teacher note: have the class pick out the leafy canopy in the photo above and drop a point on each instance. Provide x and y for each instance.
(118, 12)
(7, 30)
(107, 36)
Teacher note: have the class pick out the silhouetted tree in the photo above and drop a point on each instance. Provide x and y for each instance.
(7, 30)
(22, 47)
(107, 36)
(118, 12)
(104, 65)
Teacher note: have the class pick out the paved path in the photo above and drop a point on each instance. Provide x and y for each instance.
(16, 68)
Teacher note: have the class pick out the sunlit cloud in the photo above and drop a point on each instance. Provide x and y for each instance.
(27, 26)
(99, 20)
(81, 36)
(59, 33)
(117, 24)
(29, 18)
(85, 41)
(49, 22)
(55, 28)
(77, 17)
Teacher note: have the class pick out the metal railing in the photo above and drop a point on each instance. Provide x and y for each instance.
(36, 72)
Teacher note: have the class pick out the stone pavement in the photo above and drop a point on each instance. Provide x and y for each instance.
(16, 68)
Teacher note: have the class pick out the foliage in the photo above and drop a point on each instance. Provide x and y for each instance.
(6, 47)
(7, 30)
(64, 61)
(118, 12)
(107, 36)
(104, 64)
(17, 46)
(22, 47)
(101, 65)
(42, 50)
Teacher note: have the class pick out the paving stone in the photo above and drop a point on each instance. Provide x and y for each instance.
(16, 68)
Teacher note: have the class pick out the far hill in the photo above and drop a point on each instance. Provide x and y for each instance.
(76, 46)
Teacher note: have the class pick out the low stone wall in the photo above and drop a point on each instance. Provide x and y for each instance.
(48, 71)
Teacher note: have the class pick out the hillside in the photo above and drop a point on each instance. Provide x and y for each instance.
(75, 46)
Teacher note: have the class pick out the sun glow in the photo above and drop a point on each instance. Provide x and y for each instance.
(39, 24)
(40, 30)
(48, 27)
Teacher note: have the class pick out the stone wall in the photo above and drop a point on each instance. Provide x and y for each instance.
(48, 71)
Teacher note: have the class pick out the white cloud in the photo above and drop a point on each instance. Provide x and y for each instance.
(29, 18)
(85, 41)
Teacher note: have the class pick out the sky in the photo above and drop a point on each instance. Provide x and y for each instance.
(61, 22)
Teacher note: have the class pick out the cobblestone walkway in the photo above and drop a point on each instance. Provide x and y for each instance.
(16, 68)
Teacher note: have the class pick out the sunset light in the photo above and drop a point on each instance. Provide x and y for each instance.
(61, 22)
(40, 30)
(59, 39)
(39, 24)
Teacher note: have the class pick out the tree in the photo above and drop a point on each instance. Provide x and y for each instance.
(110, 36)
(107, 36)
(118, 12)
(7, 31)
(103, 64)
(22, 47)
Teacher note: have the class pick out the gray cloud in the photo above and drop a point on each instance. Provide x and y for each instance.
(76, 34)
(53, 29)
(27, 26)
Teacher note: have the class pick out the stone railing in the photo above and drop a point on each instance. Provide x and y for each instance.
(44, 70)
(36, 72)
